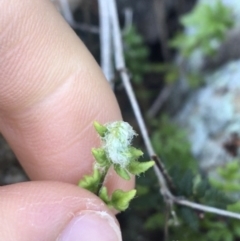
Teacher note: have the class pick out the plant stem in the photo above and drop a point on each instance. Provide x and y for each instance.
(103, 172)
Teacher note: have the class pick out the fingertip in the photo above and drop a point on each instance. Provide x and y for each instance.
(49, 211)
(91, 226)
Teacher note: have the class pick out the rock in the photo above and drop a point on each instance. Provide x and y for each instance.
(211, 114)
(229, 50)
(211, 117)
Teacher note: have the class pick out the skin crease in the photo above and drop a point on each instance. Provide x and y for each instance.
(51, 91)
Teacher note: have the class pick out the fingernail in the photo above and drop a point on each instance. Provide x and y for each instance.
(91, 226)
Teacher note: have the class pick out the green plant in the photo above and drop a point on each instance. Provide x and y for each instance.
(229, 178)
(149, 210)
(228, 182)
(171, 142)
(116, 151)
(136, 55)
(208, 24)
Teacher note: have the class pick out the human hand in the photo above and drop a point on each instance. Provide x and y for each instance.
(51, 91)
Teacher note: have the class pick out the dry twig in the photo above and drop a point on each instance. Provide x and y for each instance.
(105, 41)
(161, 26)
(65, 9)
(120, 66)
(160, 100)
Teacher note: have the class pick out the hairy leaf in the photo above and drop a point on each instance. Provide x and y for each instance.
(121, 172)
(100, 157)
(137, 168)
(120, 199)
(101, 129)
(91, 182)
(103, 194)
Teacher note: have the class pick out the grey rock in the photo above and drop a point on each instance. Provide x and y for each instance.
(229, 50)
(211, 116)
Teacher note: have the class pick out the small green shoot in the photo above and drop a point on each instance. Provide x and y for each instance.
(116, 151)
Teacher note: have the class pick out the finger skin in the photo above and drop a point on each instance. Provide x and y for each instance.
(39, 211)
(51, 91)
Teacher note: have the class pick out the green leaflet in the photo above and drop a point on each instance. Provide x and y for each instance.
(116, 151)
(121, 172)
(137, 168)
(120, 199)
(103, 194)
(100, 157)
(91, 182)
(101, 130)
(135, 153)
(213, 26)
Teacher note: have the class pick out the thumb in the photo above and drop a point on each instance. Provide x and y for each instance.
(50, 211)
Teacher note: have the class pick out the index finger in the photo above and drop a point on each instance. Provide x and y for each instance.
(51, 91)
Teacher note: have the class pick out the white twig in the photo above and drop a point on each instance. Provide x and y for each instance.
(128, 18)
(105, 40)
(160, 100)
(66, 11)
(116, 36)
(120, 66)
(68, 16)
(162, 30)
(207, 208)
(85, 27)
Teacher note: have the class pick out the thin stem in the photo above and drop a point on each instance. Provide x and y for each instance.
(128, 18)
(207, 208)
(167, 212)
(160, 100)
(105, 40)
(120, 66)
(85, 27)
(161, 26)
(163, 170)
(66, 11)
(103, 171)
(68, 15)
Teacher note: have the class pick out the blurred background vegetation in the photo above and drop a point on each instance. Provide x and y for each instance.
(156, 62)
(170, 47)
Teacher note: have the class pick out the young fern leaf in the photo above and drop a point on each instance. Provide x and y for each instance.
(116, 151)
(121, 172)
(103, 194)
(120, 199)
(91, 182)
(101, 130)
(137, 168)
(100, 157)
(135, 153)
